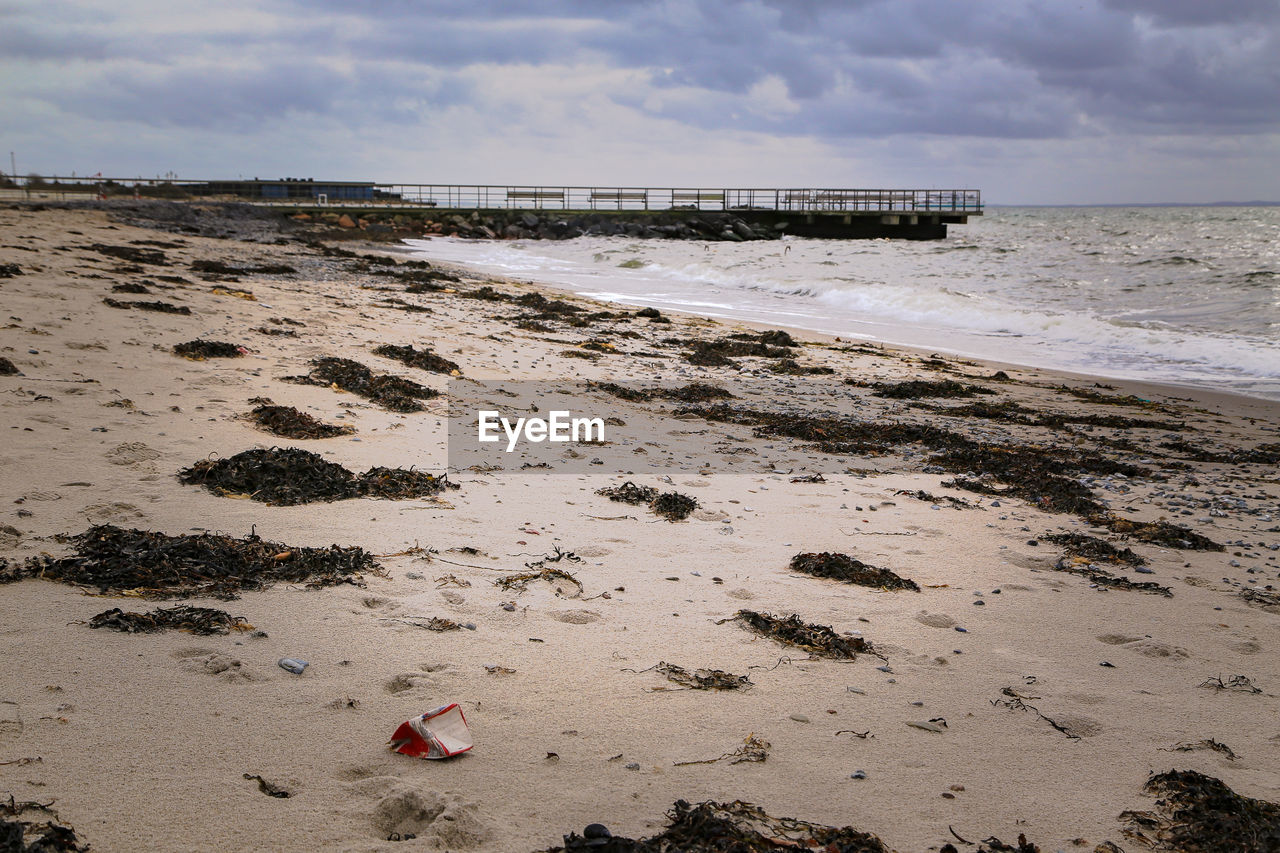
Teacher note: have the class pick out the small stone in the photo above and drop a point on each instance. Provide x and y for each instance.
(633, 766)
(979, 603)
(800, 718)
(885, 668)
(962, 630)
(858, 774)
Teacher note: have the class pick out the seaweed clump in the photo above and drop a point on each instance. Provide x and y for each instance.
(162, 307)
(791, 367)
(401, 483)
(279, 476)
(1201, 814)
(23, 835)
(629, 493)
(130, 287)
(721, 350)
(1161, 533)
(672, 506)
(391, 392)
(1102, 577)
(917, 388)
(155, 565)
(842, 567)
(199, 350)
(194, 620)
(1093, 548)
(288, 422)
(422, 359)
(128, 253)
(8, 368)
(736, 827)
(289, 476)
(793, 631)
(703, 679)
(220, 268)
(694, 392)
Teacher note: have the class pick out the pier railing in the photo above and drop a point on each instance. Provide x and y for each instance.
(480, 196)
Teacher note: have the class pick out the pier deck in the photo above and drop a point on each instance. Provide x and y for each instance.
(813, 212)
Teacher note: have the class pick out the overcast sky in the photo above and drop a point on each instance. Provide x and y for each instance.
(1056, 101)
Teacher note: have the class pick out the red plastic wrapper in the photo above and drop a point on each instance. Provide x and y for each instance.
(441, 733)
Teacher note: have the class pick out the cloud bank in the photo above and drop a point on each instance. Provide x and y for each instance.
(1033, 102)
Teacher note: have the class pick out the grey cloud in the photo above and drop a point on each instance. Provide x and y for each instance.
(1193, 13)
(232, 99)
(852, 68)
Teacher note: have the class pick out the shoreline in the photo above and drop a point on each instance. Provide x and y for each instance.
(899, 332)
(1017, 656)
(1264, 406)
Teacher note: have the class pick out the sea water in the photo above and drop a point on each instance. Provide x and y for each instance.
(1182, 295)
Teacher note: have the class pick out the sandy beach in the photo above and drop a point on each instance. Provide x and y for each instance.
(1027, 681)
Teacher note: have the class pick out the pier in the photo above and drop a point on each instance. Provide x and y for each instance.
(920, 214)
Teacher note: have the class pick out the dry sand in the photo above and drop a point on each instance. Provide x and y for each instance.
(143, 741)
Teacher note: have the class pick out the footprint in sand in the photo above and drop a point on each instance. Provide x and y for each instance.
(936, 620)
(9, 536)
(223, 666)
(1144, 646)
(131, 453)
(576, 617)
(360, 772)
(1079, 726)
(10, 719)
(403, 682)
(1241, 647)
(108, 512)
(438, 818)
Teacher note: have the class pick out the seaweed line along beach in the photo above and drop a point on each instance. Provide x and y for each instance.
(885, 546)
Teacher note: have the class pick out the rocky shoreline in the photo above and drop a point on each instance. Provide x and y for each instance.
(551, 225)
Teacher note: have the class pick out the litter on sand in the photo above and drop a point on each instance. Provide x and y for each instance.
(442, 733)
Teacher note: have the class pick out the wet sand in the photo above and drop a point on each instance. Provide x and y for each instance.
(1045, 715)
